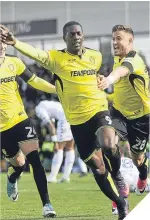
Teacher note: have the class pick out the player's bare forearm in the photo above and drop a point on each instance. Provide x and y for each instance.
(116, 74)
(51, 128)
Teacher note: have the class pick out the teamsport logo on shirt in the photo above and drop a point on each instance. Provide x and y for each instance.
(8, 79)
(84, 72)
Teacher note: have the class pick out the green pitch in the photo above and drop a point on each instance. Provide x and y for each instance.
(79, 199)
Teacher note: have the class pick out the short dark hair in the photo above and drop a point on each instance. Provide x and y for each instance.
(70, 23)
(120, 27)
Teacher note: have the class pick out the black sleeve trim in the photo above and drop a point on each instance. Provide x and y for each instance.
(128, 65)
(26, 75)
(132, 77)
(9, 55)
(59, 80)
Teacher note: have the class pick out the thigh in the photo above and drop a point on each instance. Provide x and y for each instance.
(9, 145)
(119, 123)
(64, 131)
(13, 138)
(105, 133)
(18, 159)
(138, 134)
(84, 137)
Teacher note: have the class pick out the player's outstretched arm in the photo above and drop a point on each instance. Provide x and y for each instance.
(41, 84)
(38, 55)
(37, 83)
(114, 76)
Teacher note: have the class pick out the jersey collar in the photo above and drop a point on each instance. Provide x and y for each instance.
(83, 52)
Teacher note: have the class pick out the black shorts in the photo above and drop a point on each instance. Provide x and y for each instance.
(84, 134)
(136, 131)
(10, 138)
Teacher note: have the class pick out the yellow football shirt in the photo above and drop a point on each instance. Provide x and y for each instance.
(131, 93)
(11, 105)
(75, 80)
(76, 85)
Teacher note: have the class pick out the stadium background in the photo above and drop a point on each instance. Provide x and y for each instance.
(41, 23)
(97, 19)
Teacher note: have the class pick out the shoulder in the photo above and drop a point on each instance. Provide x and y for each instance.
(134, 58)
(56, 56)
(57, 52)
(14, 59)
(93, 51)
(130, 57)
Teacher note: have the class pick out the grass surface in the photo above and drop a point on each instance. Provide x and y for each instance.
(79, 199)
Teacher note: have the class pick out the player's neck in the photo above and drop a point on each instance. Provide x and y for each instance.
(78, 53)
(126, 53)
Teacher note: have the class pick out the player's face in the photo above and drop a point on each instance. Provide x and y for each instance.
(74, 39)
(3, 48)
(122, 43)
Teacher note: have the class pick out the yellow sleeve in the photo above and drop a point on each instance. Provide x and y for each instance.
(38, 55)
(20, 66)
(41, 84)
(110, 97)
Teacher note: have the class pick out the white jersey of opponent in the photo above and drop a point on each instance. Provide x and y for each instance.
(48, 110)
(129, 172)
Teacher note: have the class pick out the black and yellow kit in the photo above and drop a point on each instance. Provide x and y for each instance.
(75, 80)
(76, 85)
(131, 101)
(14, 123)
(11, 106)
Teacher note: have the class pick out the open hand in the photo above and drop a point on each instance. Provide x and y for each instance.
(102, 82)
(6, 36)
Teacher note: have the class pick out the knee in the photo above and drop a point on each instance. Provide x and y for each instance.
(69, 145)
(110, 152)
(138, 159)
(18, 161)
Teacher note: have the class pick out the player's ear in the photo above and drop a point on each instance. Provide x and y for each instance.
(64, 38)
(131, 40)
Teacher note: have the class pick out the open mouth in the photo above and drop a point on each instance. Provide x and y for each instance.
(116, 49)
(77, 44)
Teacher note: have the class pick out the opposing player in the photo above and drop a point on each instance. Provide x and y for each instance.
(46, 111)
(86, 108)
(131, 174)
(18, 137)
(131, 104)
